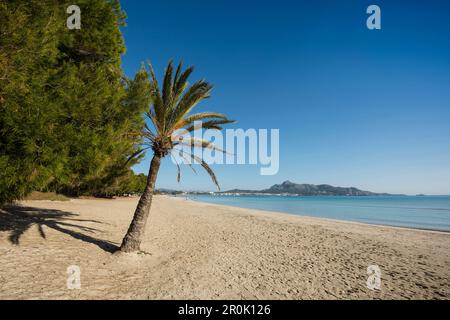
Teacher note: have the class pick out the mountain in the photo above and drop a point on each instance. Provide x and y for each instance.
(289, 187)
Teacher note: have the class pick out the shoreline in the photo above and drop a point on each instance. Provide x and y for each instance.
(270, 213)
(263, 211)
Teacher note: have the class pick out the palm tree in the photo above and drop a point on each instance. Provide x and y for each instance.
(171, 111)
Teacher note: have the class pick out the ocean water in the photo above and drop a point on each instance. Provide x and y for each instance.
(424, 212)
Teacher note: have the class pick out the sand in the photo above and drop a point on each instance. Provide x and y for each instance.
(204, 251)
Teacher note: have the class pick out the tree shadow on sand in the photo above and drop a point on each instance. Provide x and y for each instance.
(18, 219)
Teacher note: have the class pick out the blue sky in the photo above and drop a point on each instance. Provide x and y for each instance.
(355, 107)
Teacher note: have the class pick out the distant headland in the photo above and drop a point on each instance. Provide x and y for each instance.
(289, 188)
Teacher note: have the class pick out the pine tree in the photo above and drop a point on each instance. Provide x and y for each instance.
(69, 119)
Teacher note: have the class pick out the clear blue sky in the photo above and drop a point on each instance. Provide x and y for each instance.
(354, 107)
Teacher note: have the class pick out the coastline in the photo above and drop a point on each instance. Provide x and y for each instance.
(272, 212)
(199, 250)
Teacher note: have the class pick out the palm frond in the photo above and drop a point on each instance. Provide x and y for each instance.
(135, 155)
(181, 83)
(154, 121)
(167, 94)
(212, 124)
(178, 168)
(188, 162)
(196, 117)
(177, 74)
(148, 133)
(200, 143)
(171, 110)
(158, 104)
(197, 92)
(209, 171)
(206, 167)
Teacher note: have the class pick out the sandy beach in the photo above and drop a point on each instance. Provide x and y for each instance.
(205, 251)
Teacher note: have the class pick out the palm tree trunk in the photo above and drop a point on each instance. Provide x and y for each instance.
(132, 240)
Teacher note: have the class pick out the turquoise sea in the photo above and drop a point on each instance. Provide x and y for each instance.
(424, 212)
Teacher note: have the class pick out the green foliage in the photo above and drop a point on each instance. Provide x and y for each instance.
(171, 110)
(69, 119)
(130, 183)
